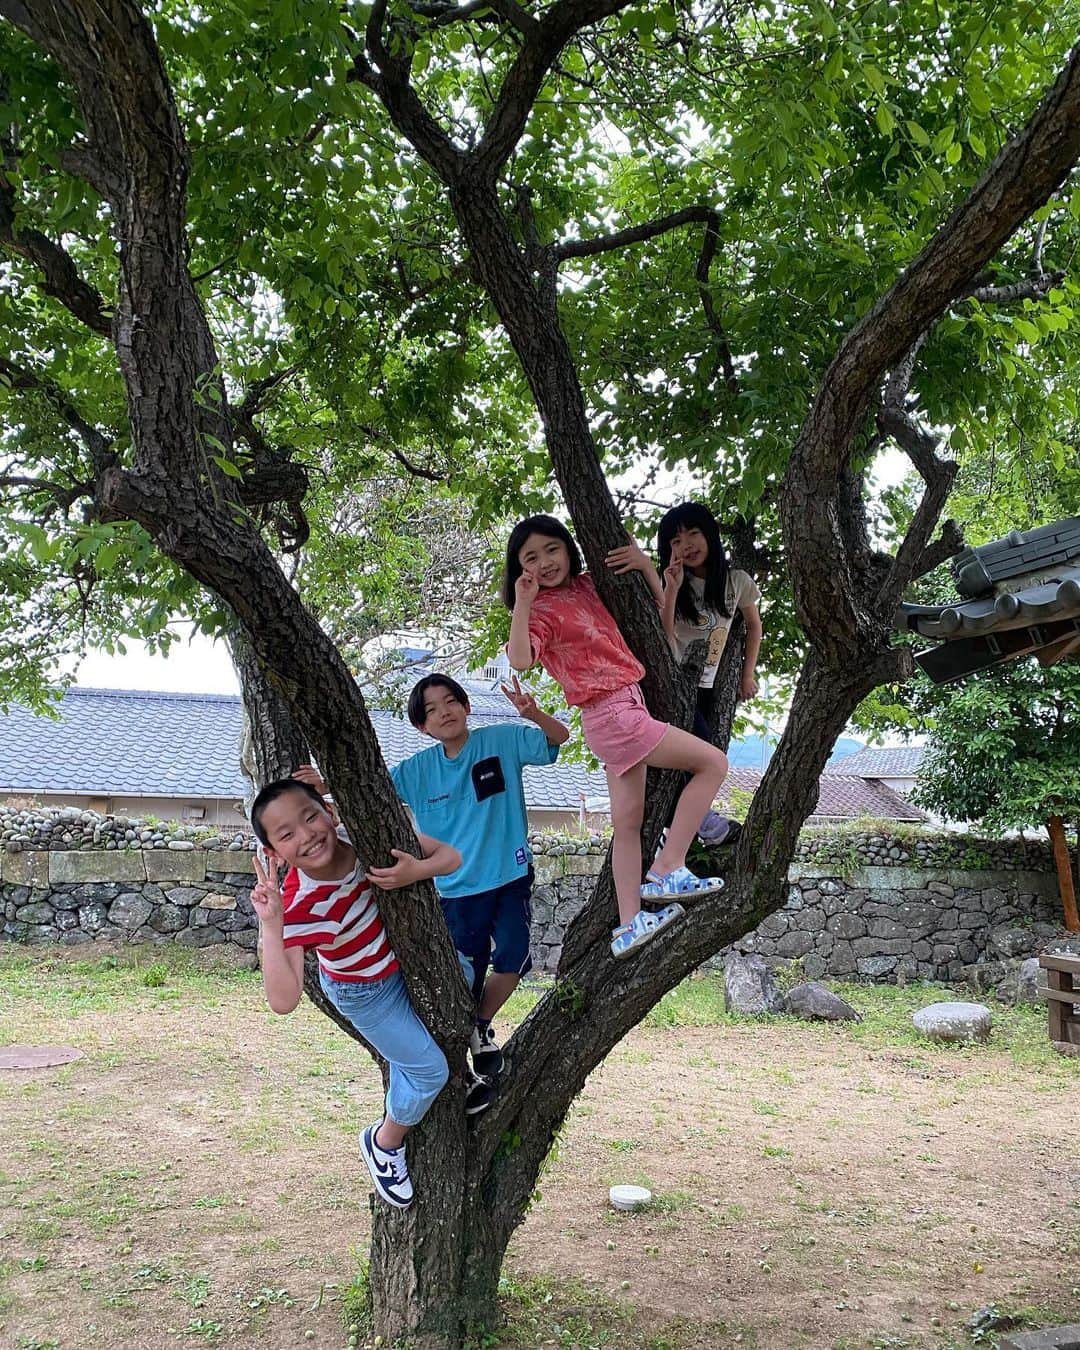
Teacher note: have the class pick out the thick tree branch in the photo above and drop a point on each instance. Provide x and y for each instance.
(1028, 170)
(1025, 173)
(523, 81)
(712, 318)
(63, 496)
(81, 162)
(1030, 288)
(255, 395)
(60, 276)
(388, 79)
(1037, 247)
(945, 546)
(921, 447)
(442, 14)
(417, 470)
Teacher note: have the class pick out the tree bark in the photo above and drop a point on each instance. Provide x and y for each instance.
(271, 744)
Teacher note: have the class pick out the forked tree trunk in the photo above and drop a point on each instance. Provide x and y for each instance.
(435, 1267)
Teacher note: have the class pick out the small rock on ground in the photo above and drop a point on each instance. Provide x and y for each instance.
(750, 986)
(954, 1021)
(815, 1002)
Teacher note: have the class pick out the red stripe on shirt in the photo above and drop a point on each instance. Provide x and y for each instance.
(341, 920)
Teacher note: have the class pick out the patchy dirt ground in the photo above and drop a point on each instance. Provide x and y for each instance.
(815, 1186)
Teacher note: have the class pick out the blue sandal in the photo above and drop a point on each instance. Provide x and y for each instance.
(680, 884)
(642, 928)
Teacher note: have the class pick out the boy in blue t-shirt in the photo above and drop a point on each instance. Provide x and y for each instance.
(467, 791)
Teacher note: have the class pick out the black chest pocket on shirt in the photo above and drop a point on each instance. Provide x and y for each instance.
(487, 777)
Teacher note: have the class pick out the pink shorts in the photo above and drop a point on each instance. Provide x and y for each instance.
(620, 730)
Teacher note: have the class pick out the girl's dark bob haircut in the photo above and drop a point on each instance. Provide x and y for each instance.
(546, 525)
(694, 516)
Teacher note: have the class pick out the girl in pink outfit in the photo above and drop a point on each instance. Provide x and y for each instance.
(560, 621)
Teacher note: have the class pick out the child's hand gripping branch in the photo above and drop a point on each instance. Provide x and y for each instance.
(438, 860)
(632, 557)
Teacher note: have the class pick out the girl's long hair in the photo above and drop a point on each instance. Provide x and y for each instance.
(545, 525)
(694, 516)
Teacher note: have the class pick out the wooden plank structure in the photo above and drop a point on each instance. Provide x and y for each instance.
(1062, 994)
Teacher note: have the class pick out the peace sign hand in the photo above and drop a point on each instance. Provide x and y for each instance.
(673, 573)
(525, 588)
(522, 700)
(265, 896)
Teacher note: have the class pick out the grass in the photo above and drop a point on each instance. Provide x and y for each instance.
(545, 1311)
(131, 979)
(76, 989)
(317, 1098)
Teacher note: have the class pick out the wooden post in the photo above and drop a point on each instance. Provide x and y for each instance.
(1064, 873)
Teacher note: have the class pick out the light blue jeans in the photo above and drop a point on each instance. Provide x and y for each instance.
(381, 1012)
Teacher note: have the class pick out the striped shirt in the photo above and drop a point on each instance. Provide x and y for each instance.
(340, 919)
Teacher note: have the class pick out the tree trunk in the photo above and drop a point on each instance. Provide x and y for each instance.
(435, 1267)
(271, 744)
(1064, 873)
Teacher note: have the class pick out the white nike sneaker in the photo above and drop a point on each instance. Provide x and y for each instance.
(388, 1169)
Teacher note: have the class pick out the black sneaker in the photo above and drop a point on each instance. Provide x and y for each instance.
(479, 1093)
(388, 1169)
(486, 1056)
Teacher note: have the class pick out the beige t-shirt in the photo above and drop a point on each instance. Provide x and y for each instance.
(741, 591)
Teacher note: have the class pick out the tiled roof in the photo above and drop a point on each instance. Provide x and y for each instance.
(895, 761)
(1019, 596)
(840, 798)
(119, 743)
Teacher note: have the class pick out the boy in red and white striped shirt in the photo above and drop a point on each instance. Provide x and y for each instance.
(327, 903)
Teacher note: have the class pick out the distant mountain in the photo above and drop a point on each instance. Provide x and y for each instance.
(746, 753)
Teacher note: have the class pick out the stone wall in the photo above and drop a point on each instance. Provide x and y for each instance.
(885, 921)
(195, 896)
(862, 905)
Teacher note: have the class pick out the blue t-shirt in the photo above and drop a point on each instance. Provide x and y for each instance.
(476, 802)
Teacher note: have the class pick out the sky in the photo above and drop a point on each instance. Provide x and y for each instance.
(197, 665)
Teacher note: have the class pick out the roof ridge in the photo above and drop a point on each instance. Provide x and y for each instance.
(89, 691)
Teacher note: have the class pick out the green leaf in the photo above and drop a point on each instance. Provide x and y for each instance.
(977, 95)
(886, 123)
(227, 467)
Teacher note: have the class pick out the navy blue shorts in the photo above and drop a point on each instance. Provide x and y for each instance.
(501, 918)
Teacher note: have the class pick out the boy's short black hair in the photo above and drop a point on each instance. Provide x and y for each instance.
(550, 528)
(270, 793)
(415, 709)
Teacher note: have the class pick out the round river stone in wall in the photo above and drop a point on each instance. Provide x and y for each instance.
(954, 1021)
